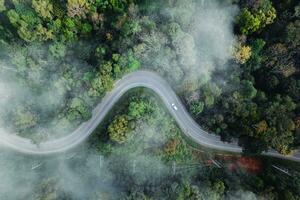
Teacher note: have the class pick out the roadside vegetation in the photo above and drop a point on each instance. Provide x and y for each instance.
(64, 56)
(234, 64)
(154, 146)
(153, 162)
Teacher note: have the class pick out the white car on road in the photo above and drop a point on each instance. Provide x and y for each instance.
(174, 106)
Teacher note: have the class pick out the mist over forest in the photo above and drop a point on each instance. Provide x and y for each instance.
(233, 63)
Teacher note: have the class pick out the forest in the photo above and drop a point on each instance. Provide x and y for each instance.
(234, 63)
(64, 56)
(139, 153)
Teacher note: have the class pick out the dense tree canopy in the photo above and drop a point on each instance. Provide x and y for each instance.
(236, 70)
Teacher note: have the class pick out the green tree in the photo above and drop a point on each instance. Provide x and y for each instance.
(197, 107)
(218, 187)
(55, 25)
(69, 30)
(248, 90)
(266, 13)
(251, 21)
(24, 118)
(292, 88)
(289, 195)
(78, 110)
(137, 196)
(97, 88)
(272, 82)
(293, 33)
(131, 27)
(58, 50)
(2, 6)
(25, 30)
(256, 56)
(117, 5)
(103, 80)
(279, 116)
(86, 28)
(174, 31)
(210, 93)
(190, 192)
(297, 10)
(106, 75)
(248, 22)
(137, 109)
(124, 63)
(13, 17)
(29, 26)
(44, 8)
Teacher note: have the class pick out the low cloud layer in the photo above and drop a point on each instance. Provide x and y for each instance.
(35, 89)
(202, 36)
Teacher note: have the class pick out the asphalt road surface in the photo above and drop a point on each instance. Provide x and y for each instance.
(136, 79)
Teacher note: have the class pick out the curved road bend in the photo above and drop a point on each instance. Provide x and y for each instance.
(136, 79)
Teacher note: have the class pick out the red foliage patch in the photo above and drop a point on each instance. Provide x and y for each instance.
(249, 164)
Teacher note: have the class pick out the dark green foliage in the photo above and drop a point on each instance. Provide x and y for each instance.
(248, 90)
(256, 58)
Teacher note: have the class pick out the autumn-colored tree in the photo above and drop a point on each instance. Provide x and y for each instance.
(43, 34)
(280, 60)
(119, 129)
(261, 127)
(242, 54)
(171, 146)
(78, 8)
(97, 19)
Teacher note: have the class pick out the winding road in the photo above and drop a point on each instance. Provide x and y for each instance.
(136, 79)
